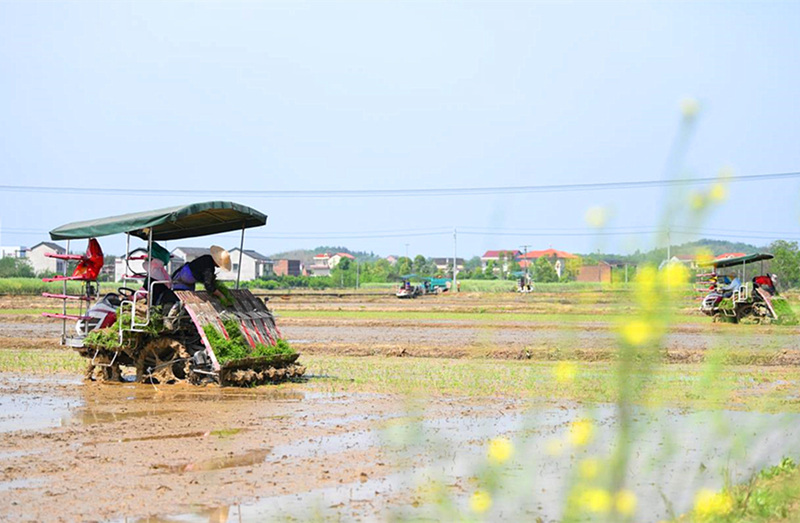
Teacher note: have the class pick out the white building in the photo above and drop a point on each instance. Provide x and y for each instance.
(254, 265)
(41, 263)
(14, 251)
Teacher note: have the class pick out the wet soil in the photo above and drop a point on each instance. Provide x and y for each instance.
(72, 450)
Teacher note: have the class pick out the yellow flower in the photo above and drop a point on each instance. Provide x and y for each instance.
(596, 500)
(554, 447)
(581, 432)
(589, 468)
(625, 502)
(480, 502)
(500, 450)
(718, 193)
(704, 257)
(708, 503)
(697, 200)
(597, 216)
(636, 332)
(675, 275)
(646, 277)
(565, 372)
(689, 107)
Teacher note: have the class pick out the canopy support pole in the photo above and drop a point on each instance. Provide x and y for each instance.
(241, 252)
(64, 305)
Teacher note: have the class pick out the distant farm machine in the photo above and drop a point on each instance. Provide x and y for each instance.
(414, 286)
(127, 329)
(741, 300)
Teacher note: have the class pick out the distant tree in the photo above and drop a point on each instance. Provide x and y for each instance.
(786, 263)
(543, 271)
(404, 266)
(420, 264)
(15, 268)
(488, 273)
(571, 268)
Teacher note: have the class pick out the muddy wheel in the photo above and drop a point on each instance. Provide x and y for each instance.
(163, 361)
(103, 373)
(747, 315)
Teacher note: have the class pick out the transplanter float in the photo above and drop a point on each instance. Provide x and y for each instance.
(127, 329)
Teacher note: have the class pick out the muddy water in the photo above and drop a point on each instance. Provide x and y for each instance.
(76, 451)
(674, 454)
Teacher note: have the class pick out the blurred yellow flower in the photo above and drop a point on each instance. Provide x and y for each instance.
(636, 332)
(646, 276)
(718, 193)
(500, 450)
(565, 372)
(704, 257)
(581, 432)
(589, 468)
(597, 216)
(708, 503)
(625, 502)
(675, 275)
(697, 200)
(480, 502)
(596, 500)
(689, 107)
(554, 447)
(432, 491)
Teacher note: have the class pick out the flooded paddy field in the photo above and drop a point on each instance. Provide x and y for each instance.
(397, 420)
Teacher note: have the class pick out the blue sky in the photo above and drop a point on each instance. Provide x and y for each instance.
(372, 95)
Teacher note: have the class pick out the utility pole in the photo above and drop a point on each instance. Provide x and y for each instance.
(455, 259)
(668, 246)
(407, 250)
(358, 270)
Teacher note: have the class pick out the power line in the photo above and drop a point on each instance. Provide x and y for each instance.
(362, 193)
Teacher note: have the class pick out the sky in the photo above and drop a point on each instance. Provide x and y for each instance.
(299, 96)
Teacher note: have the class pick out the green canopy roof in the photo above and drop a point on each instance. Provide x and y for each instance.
(730, 262)
(172, 223)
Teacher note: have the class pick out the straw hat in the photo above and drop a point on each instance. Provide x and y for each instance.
(221, 257)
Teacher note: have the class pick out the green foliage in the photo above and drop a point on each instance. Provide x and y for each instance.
(108, 338)
(227, 298)
(34, 286)
(786, 315)
(235, 347)
(226, 349)
(15, 268)
(786, 263)
(543, 271)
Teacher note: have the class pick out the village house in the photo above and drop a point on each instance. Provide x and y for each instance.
(287, 267)
(446, 264)
(595, 273)
(322, 263)
(254, 266)
(14, 251)
(41, 263)
(557, 258)
(507, 255)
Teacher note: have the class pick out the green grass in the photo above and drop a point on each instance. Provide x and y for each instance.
(35, 286)
(771, 495)
(670, 385)
(41, 361)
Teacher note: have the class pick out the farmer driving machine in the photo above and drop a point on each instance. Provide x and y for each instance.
(733, 298)
(228, 338)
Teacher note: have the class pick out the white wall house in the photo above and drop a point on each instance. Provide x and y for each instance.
(254, 265)
(40, 263)
(14, 251)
